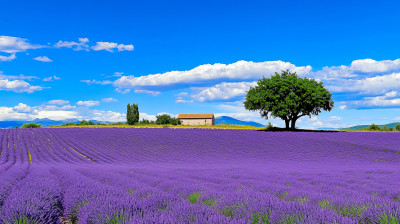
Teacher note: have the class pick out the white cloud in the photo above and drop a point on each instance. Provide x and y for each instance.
(2, 76)
(223, 91)
(88, 103)
(110, 116)
(43, 59)
(18, 86)
(239, 70)
(376, 84)
(8, 113)
(7, 58)
(57, 114)
(335, 118)
(153, 93)
(77, 46)
(15, 44)
(122, 91)
(48, 79)
(58, 102)
(389, 99)
(147, 117)
(183, 101)
(22, 108)
(105, 82)
(370, 65)
(83, 40)
(110, 46)
(109, 100)
(343, 107)
(118, 74)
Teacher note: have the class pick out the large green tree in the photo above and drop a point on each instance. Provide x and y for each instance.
(288, 97)
(132, 114)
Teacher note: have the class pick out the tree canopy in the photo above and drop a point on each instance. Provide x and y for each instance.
(288, 97)
(132, 114)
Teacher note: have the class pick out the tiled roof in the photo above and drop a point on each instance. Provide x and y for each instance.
(205, 115)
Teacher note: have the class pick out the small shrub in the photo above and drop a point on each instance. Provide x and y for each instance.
(193, 197)
(31, 125)
(270, 126)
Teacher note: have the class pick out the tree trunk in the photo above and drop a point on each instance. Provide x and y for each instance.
(293, 126)
(287, 124)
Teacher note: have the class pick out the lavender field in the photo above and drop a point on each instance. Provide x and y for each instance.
(162, 175)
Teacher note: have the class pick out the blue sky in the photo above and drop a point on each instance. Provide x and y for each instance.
(87, 60)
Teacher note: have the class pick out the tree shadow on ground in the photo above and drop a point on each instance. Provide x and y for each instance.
(276, 129)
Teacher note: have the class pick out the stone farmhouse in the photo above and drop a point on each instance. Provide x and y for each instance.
(197, 119)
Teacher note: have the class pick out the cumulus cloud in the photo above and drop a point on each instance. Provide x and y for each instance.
(12, 45)
(377, 84)
(241, 70)
(58, 102)
(7, 58)
(389, 99)
(370, 65)
(57, 114)
(21, 107)
(110, 116)
(77, 46)
(111, 46)
(18, 86)
(88, 103)
(109, 100)
(153, 93)
(223, 91)
(43, 59)
(147, 116)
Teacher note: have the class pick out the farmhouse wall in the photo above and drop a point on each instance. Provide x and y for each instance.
(197, 121)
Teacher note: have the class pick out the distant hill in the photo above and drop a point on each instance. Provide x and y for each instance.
(45, 122)
(357, 127)
(230, 120)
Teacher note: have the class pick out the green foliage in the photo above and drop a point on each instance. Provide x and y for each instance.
(397, 127)
(144, 121)
(83, 122)
(292, 219)
(90, 122)
(229, 211)
(132, 114)
(288, 97)
(374, 127)
(21, 220)
(30, 125)
(260, 218)
(167, 119)
(270, 126)
(389, 218)
(69, 124)
(209, 202)
(116, 219)
(283, 195)
(193, 197)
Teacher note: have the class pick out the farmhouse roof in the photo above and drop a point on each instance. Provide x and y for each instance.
(203, 115)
